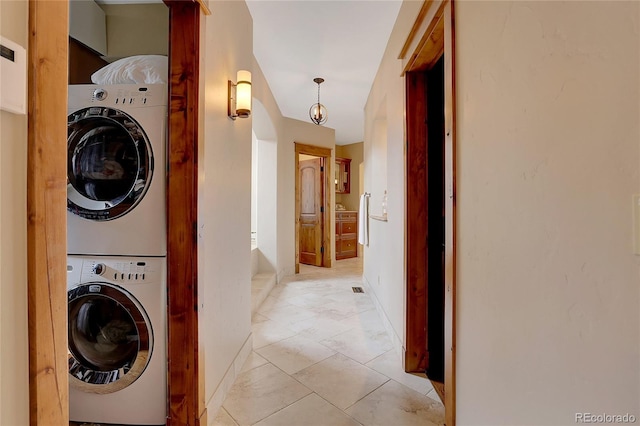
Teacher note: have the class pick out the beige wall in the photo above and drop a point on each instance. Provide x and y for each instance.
(354, 151)
(384, 152)
(548, 160)
(136, 29)
(14, 354)
(224, 226)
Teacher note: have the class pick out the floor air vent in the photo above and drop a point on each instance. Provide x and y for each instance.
(357, 289)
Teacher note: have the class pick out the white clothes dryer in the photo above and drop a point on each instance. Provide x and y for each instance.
(117, 331)
(116, 170)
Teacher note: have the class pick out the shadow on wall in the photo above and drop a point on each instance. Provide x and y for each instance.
(264, 179)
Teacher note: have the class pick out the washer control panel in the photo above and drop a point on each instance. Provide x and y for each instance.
(115, 270)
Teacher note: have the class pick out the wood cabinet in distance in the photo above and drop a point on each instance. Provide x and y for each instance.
(346, 234)
(343, 175)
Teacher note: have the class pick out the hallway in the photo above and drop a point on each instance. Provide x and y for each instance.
(321, 356)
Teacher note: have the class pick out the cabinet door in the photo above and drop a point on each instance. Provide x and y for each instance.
(343, 175)
(348, 247)
(349, 228)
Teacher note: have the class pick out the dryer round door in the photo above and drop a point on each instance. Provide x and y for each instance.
(110, 338)
(109, 163)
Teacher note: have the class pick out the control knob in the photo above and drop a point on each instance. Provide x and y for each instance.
(99, 94)
(99, 268)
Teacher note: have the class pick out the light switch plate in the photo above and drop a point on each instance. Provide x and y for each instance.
(636, 224)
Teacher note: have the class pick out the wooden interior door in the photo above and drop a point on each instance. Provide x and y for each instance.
(311, 211)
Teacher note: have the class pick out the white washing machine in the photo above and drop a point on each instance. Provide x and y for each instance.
(116, 169)
(117, 330)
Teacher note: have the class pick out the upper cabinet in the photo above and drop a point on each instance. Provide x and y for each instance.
(343, 175)
(88, 25)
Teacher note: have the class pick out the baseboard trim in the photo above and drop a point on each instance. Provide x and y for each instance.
(229, 378)
(396, 341)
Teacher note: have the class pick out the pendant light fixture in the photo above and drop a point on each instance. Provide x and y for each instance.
(318, 112)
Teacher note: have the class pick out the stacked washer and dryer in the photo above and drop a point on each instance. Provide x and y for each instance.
(116, 239)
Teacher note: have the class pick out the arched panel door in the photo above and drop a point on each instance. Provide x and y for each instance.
(311, 212)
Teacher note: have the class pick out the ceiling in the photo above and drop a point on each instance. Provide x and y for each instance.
(341, 41)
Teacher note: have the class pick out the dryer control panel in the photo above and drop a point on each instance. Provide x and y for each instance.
(118, 95)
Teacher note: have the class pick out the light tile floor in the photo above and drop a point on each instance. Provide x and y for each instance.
(321, 357)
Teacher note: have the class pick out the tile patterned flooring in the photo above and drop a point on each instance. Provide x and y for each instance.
(321, 357)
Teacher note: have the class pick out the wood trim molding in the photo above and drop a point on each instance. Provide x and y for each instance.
(317, 151)
(425, 50)
(204, 7)
(204, 4)
(182, 217)
(416, 28)
(450, 215)
(46, 213)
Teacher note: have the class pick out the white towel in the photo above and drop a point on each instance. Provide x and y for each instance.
(363, 220)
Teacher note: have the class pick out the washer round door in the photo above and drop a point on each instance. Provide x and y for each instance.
(109, 163)
(110, 338)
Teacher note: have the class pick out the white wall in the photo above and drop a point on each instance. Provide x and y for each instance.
(254, 184)
(265, 163)
(548, 146)
(224, 202)
(548, 160)
(267, 124)
(267, 211)
(14, 355)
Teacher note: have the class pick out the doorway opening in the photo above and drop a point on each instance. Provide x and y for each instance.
(426, 221)
(428, 58)
(313, 221)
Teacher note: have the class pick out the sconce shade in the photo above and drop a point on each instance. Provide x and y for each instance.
(239, 102)
(243, 94)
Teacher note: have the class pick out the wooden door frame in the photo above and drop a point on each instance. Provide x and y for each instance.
(432, 36)
(185, 405)
(327, 203)
(46, 213)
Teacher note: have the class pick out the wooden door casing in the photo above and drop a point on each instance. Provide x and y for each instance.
(46, 219)
(185, 377)
(311, 224)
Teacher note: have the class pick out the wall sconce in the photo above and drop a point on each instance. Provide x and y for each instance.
(239, 99)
